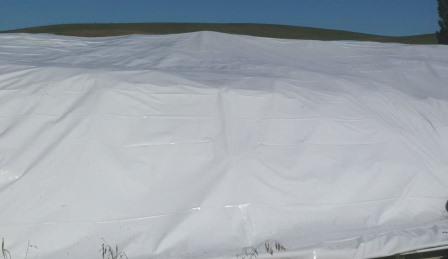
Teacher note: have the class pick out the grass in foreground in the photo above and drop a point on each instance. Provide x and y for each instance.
(269, 247)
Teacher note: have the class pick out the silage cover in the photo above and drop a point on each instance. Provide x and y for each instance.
(208, 145)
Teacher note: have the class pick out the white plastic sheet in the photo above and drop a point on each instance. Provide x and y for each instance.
(207, 145)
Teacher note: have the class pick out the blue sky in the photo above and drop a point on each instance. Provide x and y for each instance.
(387, 17)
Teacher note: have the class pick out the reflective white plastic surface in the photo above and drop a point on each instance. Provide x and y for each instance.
(207, 145)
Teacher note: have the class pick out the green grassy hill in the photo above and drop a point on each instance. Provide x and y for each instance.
(263, 30)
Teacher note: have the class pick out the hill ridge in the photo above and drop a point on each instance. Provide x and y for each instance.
(252, 29)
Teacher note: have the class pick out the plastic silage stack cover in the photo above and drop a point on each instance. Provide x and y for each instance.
(207, 145)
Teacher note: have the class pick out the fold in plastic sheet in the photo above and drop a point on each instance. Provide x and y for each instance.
(207, 145)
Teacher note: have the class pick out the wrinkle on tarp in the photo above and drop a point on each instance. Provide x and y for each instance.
(208, 145)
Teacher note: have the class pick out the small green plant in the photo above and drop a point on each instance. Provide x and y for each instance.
(273, 246)
(270, 247)
(107, 252)
(248, 253)
(5, 252)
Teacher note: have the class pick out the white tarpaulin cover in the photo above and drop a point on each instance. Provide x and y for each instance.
(207, 145)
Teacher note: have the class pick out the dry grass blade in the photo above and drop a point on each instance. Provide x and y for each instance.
(5, 252)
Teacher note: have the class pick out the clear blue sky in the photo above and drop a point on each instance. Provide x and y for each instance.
(387, 17)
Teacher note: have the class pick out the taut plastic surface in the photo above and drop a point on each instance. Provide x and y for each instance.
(207, 145)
